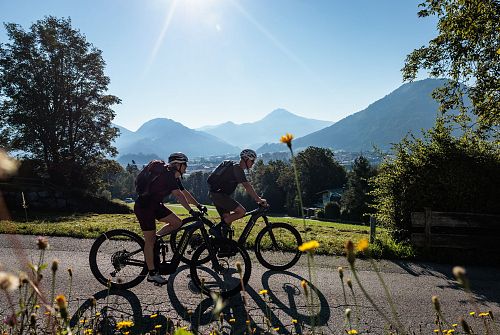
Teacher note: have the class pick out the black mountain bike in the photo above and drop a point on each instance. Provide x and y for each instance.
(117, 259)
(276, 245)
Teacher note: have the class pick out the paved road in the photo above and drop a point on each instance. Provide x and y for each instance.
(411, 285)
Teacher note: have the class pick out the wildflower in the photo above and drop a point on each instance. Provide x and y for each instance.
(472, 313)
(460, 275)
(436, 330)
(124, 324)
(232, 320)
(63, 306)
(362, 244)
(55, 265)
(450, 331)
(42, 242)
(435, 302)
(484, 314)
(465, 326)
(349, 283)
(88, 332)
(309, 246)
(294, 321)
(341, 272)
(36, 306)
(157, 326)
(276, 328)
(70, 272)
(238, 267)
(303, 283)
(287, 139)
(263, 292)
(33, 320)
(454, 325)
(8, 281)
(498, 51)
(98, 314)
(247, 322)
(152, 316)
(219, 303)
(349, 248)
(348, 313)
(352, 332)
(23, 277)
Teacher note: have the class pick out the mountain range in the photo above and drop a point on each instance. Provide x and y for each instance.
(408, 109)
(270, 128)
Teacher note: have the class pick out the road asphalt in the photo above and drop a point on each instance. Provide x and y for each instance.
(286, 306)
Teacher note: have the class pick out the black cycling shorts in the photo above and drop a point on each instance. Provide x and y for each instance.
(147, 215)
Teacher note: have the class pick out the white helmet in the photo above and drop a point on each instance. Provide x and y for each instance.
(248, 154)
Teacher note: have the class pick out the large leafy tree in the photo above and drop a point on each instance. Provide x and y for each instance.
(356, 199)
(265, 179)
(467, 52)
(318, 171)
(54, 107)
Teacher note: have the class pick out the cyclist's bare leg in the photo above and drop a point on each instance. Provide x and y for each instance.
(149, 243)
(172, 222)
(234, 215)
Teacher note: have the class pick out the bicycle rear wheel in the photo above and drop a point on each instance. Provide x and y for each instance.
(196, 241)
(221, 273)
(276, 246)
(117, 259)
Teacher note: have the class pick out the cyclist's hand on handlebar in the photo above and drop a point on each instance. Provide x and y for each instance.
(263, 203)
(202, 209)
(195, 214)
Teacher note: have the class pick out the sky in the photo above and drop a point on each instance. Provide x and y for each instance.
(205, 62)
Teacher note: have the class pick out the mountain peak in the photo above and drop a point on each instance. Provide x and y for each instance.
(280, 112)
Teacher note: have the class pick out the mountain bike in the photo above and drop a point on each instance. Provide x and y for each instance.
(117, 259)
(276, 245)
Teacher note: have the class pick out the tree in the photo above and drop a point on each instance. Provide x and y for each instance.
(53, 103)
(318, 171)
(467, 51)
(265, 180)
(356, 198)
(197, 184)
(441, 172)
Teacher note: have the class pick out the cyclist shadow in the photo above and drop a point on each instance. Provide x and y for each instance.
(285, 307)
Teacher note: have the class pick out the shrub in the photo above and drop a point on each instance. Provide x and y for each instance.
(332, 210)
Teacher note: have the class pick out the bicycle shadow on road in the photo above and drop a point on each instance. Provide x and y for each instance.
(283, 308)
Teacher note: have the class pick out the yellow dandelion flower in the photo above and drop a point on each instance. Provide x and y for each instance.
(83, 321)
(352, 332)
(232, 320)
(498, 51)
(126, 333)
(157, 326)
(37, 306)
(47, 313)
(472, 313)
(287, 139)
(276, 328)
(455, 325)
(98, 314)
(263, 292)
(309, 246)
(152, 316)
(484, 314)
(88, 331)
(247, 322)
(61, 301)
(294, 321)
(124, 324)
(451, 331)
(362, 244)
(436, 330)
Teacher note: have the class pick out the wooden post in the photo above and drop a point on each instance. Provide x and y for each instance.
(427, 226)
(373, 223)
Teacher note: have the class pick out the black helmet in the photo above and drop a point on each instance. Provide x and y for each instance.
(248, 154)
(178, 157)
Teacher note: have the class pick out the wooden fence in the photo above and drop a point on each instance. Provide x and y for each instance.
(455, 230)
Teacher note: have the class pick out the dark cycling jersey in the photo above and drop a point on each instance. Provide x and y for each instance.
(229, 180)
(162, 187)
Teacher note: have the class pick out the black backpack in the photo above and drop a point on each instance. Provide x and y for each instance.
(214, 179)
(148, 175)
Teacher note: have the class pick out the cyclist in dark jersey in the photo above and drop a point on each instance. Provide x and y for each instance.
(150, 208)
(229, 209)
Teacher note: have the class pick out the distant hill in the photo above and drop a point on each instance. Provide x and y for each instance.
(164, 136)
(268, 129)
(409, 108)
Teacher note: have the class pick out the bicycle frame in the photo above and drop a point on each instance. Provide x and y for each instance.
(170, 266)
(254, 215)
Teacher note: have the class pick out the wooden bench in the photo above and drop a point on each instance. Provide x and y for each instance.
(455, 230)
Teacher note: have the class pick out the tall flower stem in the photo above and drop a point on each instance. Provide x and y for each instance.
(299, 192)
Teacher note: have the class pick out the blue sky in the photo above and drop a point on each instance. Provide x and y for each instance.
(205, 62)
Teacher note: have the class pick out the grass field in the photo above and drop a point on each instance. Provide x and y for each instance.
(331, 236)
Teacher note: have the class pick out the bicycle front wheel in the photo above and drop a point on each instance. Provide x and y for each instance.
(227, 271)
(117, 259)
(277, 246)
